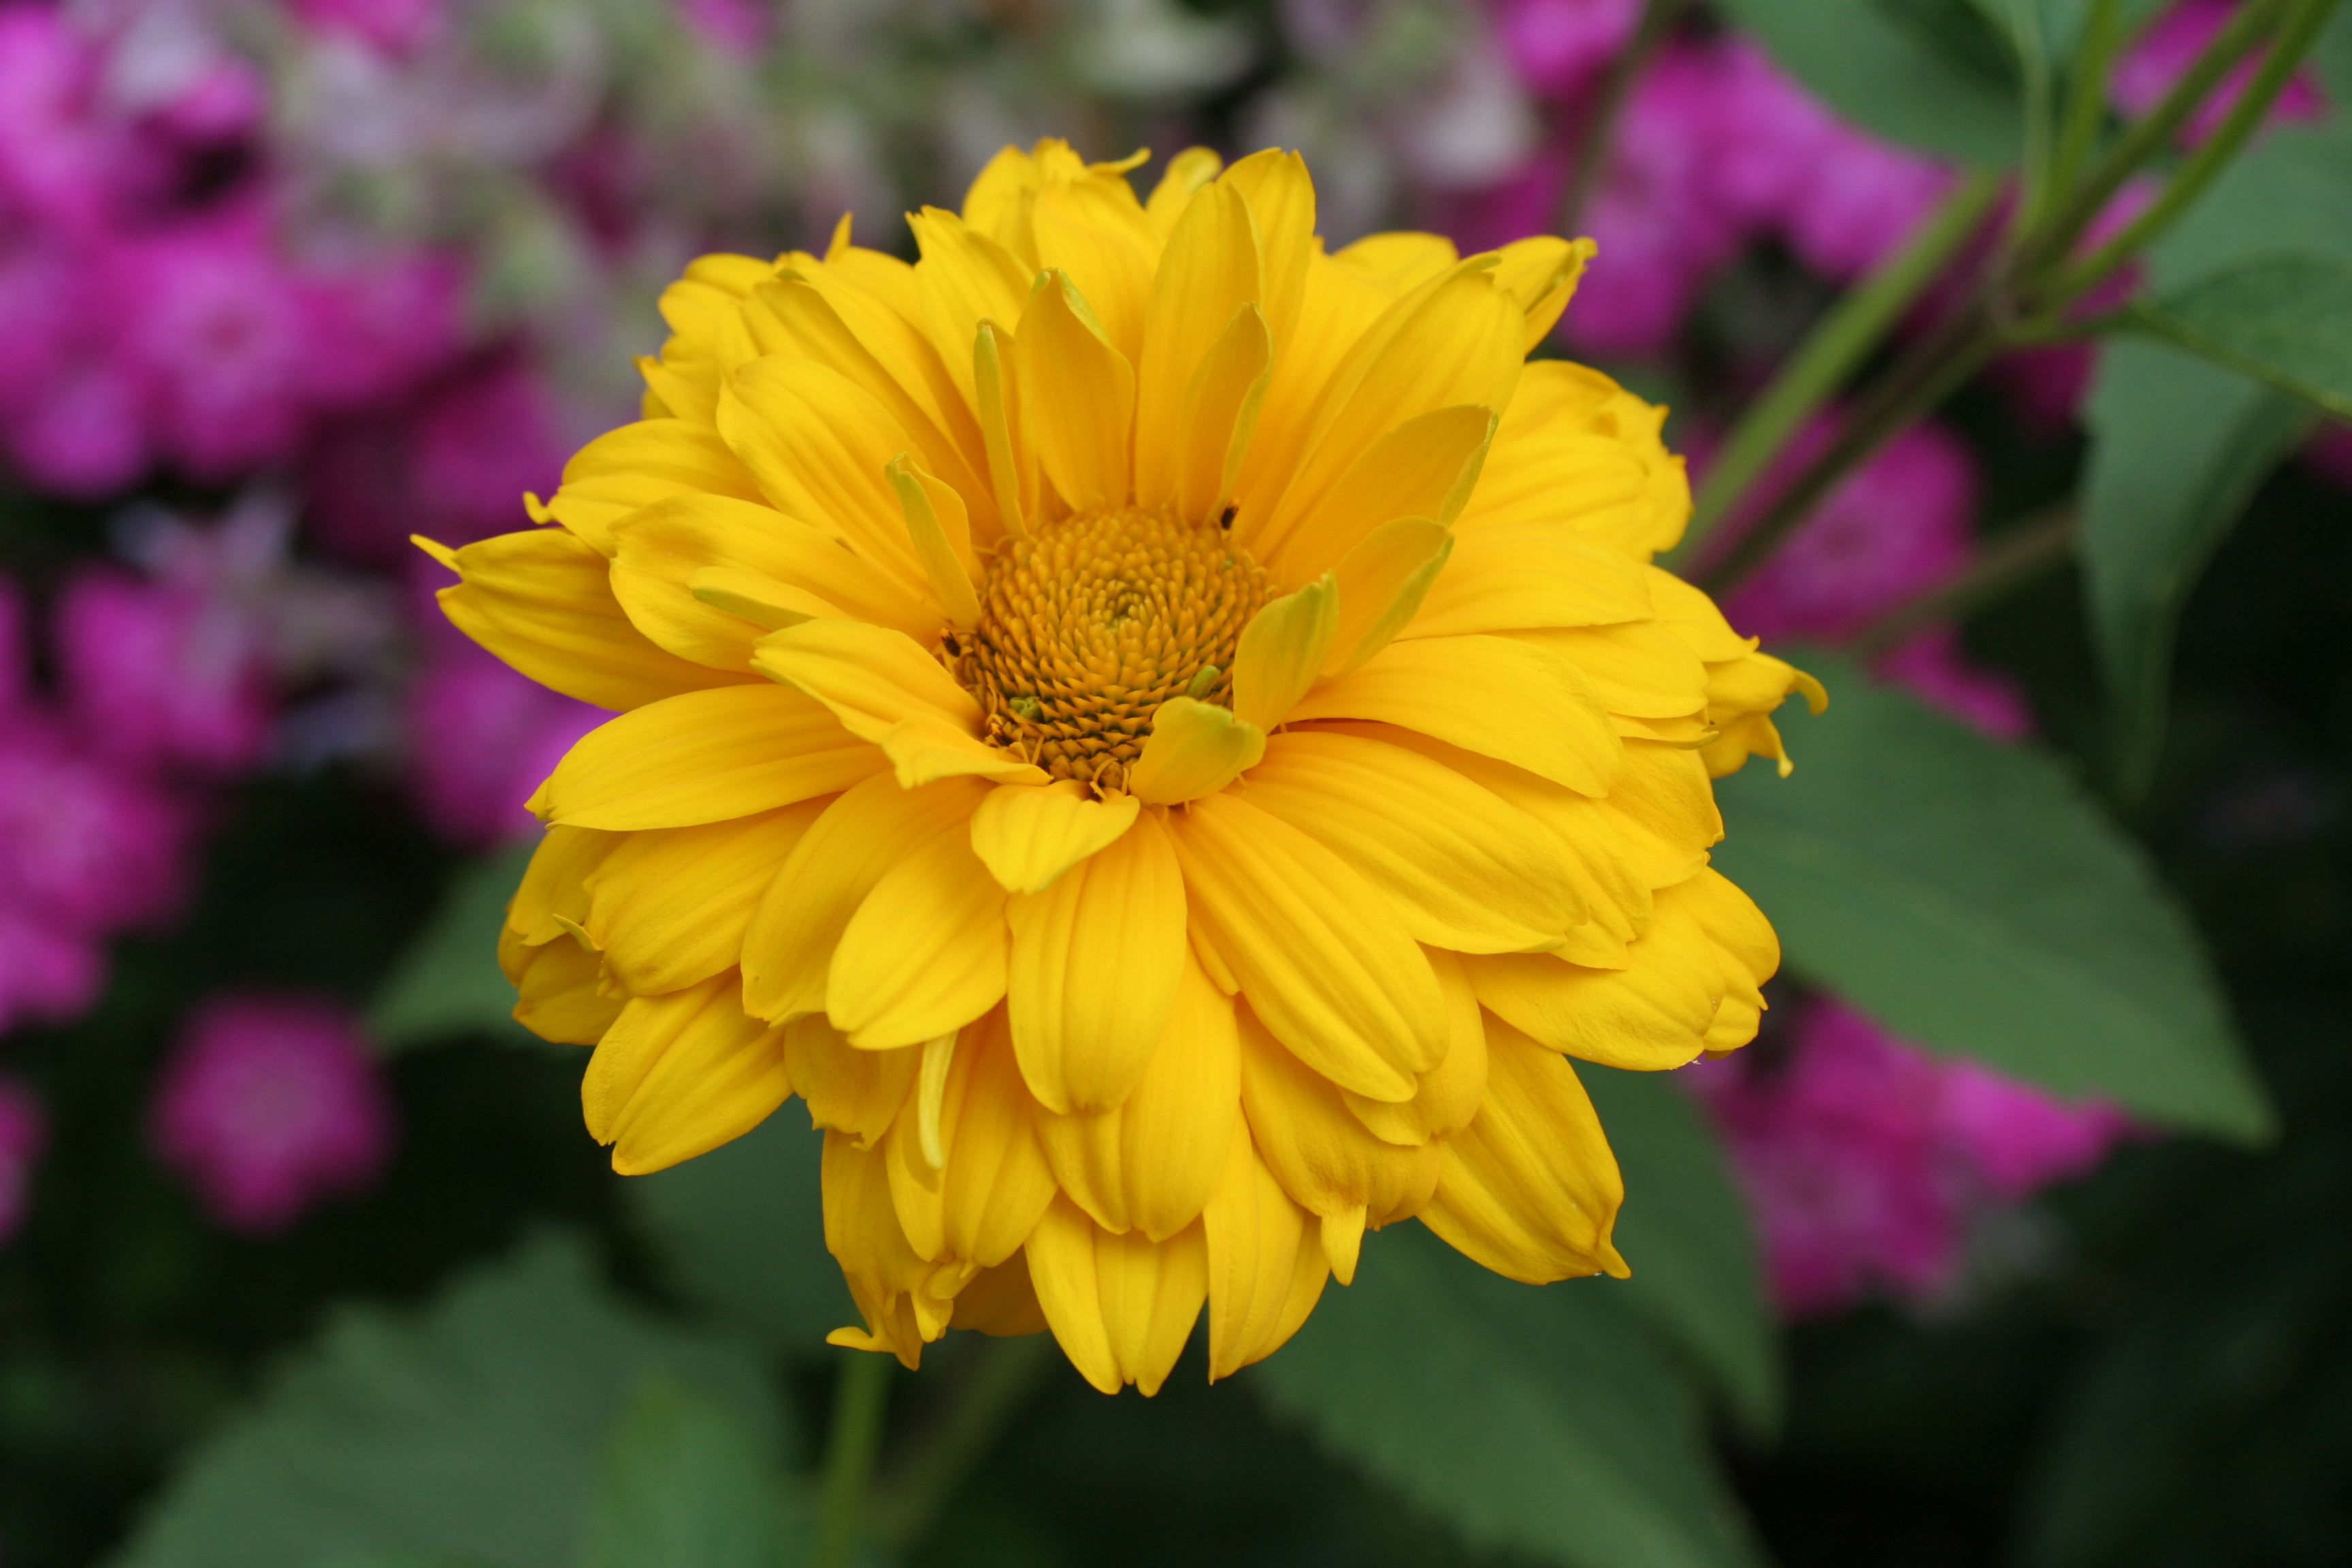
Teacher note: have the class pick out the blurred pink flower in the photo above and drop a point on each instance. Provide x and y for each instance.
(63, 163)
(268, 1104)
(1935, 669)
(24, 1133)
(163, 673)
(480, 738)
(1558, 46)
(2166, 49)
(1864, 1159)
(390, 26)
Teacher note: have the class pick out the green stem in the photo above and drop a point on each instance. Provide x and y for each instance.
(851, 1442)
(1599, 128)
(2040, 137)
(1006, 1373)
(1842, 339)
(2049, 242)
(2294, 40)
(2009, 560)
(2086, 92)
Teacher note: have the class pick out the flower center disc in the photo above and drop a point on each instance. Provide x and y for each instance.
(1089, 624)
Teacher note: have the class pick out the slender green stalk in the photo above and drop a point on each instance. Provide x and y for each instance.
(2041, 149)
(1005, 1375)
(2146, 137)
(1599, 128)
(2294, 40)
(2086, 92)
(1842, 339)
(850, 1444)
(2009, 562)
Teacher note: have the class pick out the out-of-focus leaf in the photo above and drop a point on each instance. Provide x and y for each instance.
(2285, 320)
(685, 1484)
(1684, 1230)
(741, 1229)
(1924, 74)
(449, 982)
(1971, 897)
(471, 1430)
(1542, 1420)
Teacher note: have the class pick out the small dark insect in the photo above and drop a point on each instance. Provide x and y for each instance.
(1225, 518)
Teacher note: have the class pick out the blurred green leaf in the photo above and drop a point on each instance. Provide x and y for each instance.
(742, 1231)
(1971, 897)
(685, 1484)
(471, 1430)
(1544, 1420)
(1924, 74)
(1689, 1240)
(2283, 320)
(449, 982)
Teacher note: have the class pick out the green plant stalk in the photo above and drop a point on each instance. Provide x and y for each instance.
(2049, 242)
(2086, 92)
(1842, 339)
(1008, 1371)
(2294, 40)
(852, 1439)
(2009, 560)
(2040, 137)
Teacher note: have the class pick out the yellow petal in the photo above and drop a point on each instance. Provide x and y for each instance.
(854, 1092)
(678, 1075)
(1194, 749)
(1530, 1189)
(1219, 417)
(1541, 274)
(1501, 697)
(761, 601)
(1649, 1015)
(1664, 810)
(861, 1231)
(1400, 260)
(1744, 945)
(788, 951)
(1187, 172)
(926, 747)
(870, 678)
(556, 882)
(965, 278)
(1282, 652)
(1427, 467)
(1061, 1253)
(1096, 231)
(941, 531)
(1028, 836)
(1321, 958)
(1267, 1266)
(1121, 1305)
(1001, 1301)
(1012, 465)
(1151, 1161)
(559, 990)
(1084, 389)
(1639, 669)
(1282, 205)
(705, 756)
(1509, 576)
(818, 446)
(1095, 961)
(925, 952)
(1463, 869)
(995, 1184)
(1325, 1157)
(1447, 1096)
(1334, 314)
(1208, 275)
(637, 465)
(542, 602)
(1383, 583)
(671, 905)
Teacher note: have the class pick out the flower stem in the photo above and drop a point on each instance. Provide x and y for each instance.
(2009, 560)
(2087, 93)
(1843, 339)
(851, 1442)
(1005, 1372)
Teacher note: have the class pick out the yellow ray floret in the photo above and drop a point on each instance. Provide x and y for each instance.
(1167, 738)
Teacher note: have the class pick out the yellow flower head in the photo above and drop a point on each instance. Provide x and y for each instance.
(1165, 738)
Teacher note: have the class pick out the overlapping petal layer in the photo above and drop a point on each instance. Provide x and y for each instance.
(1167, 738)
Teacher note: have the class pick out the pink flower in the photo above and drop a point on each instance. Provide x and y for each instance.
(480, 739)
(389, 27)
(2168, 48)
(1558, 46)
(62, 162)
(1866, 1161)
(164, 673)
(268, 1104)
(24, 1133)
(72, 415)
(1933, 668)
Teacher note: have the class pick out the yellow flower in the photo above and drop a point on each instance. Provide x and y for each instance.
(1167, 739)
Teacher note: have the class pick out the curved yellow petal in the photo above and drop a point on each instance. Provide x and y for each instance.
(991, 1185)
(1194, 749)
(924, 954)
(1096, 231)
(1447, 1095)
(671, 905)
(556, 882)
(1464, 870)
(560, 989)
(1541, 274)
(964, 278)
(1219, 417)
(1746, 946)
(1427, 467)
(1266, 1267)
(1639, 668)
(1208, 273)
(1529, 1189)
(1068, 365)
(1095, 959)
(788, 949)
(1001, 1301)
(1281, 198)
(852, 1092)
(704, 756)
(1321, 958)
(1187, 172)
(1382, 581)
(861, 1231)
(1511, 576)
(1121, 1305)
(1399, 259)
(870, 678)
(1323, 1156)
(941, 531)
(1496, 696)
(676, 1076)
(1029, 835)
(1651, 1015)
(1282, 652)
(637, 465)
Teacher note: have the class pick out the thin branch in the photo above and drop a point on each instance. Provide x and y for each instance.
(852, 1441)
(993, 1392)
(2009, 562)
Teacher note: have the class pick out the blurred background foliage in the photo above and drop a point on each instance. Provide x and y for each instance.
(2019, 1237)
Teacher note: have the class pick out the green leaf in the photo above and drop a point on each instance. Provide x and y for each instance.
(471, 1430)
(686, 1484)
(449, 982)
(742, 1230)
(1930, 76)
(1972, 898)
(1689, 1238)
(2178, 446)
(2285, 320)
(1542, 1419)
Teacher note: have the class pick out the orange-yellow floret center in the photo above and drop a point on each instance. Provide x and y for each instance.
(1088, 624)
